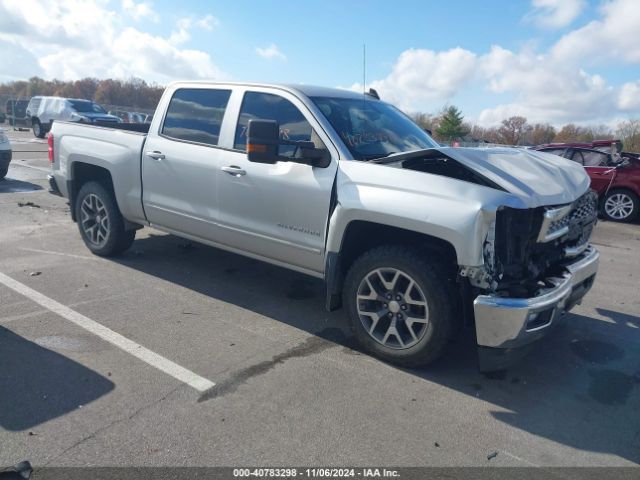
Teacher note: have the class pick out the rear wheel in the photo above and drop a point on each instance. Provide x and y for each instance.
(620, 206)
(38, 130)
(401, 305)
(100, 222)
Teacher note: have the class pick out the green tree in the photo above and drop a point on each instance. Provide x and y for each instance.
(451, 125)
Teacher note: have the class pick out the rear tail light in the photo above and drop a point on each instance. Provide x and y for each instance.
(50, 143)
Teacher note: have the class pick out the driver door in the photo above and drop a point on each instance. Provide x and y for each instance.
(278, 211)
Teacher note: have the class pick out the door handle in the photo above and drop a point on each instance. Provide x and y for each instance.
(233, 170)
(155, 155)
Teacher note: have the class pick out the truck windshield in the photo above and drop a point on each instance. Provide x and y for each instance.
(371, 128)
(85, 106)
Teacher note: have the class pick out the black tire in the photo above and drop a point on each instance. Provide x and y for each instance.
(438, 291)
(116, 239)
(3, 172)
(38, 129)
(628, 202)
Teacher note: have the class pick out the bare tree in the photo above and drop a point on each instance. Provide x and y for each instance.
(133, 92)
(513, 130)
(427, 121)
(541, 133)
(629, 133)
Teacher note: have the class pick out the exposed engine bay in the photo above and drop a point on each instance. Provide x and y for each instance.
(524, 247)
(530, 246)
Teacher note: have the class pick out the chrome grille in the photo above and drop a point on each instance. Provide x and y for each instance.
(570, 219)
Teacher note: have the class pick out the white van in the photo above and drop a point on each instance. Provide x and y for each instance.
(44, 110)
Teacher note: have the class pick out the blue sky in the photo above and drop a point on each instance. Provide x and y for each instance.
(556, 61)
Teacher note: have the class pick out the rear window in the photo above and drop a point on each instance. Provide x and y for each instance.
(85, 106)
(195, 115)
(555, 151)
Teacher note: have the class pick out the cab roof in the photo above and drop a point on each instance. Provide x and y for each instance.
(307, 90)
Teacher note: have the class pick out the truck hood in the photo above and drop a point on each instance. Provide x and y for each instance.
(537, 178)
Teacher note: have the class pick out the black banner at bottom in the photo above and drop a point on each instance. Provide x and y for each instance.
(404, 473)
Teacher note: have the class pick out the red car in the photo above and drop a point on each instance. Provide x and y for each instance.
(614, 176)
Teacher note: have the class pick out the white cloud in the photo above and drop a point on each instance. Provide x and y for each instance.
(615, 36)
(182, 32)
(208, 22)
(423, 76)
(553, 86)
(555, 13)
(73, 39)
(545, 91)
(629, 98)
(139, 11)
(22, 63)
(271, 52)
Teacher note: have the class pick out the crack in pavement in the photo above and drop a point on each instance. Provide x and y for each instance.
(114, 422)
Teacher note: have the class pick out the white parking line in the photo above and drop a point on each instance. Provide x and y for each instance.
(167, 366)
(61, 254)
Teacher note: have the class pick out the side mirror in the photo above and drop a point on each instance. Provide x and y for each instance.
(263, 138)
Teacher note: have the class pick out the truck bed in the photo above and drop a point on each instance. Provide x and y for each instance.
(130, 127)
(116, 150)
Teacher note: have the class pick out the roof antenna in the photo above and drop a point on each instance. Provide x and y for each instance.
(371, 93)
(364, 72)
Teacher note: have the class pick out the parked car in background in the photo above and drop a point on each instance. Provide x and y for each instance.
(16, 113)
(5, 154)
(614, 176)
(607, 146)
(43, 111)
(128, 117)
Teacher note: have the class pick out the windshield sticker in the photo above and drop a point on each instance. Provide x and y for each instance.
(353, 139)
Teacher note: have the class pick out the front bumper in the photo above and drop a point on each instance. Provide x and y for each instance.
(508, 323)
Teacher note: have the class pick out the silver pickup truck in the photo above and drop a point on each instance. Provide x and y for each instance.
(413, 239)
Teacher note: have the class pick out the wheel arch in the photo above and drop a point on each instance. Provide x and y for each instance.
(361, 236)
(82, 173)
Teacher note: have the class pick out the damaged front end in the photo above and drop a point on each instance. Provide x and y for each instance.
(538, 265)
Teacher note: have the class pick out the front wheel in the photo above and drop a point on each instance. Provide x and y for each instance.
(401, 306)
(100, 222)
(620, 206)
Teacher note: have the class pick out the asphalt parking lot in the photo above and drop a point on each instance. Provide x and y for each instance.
(291, 389)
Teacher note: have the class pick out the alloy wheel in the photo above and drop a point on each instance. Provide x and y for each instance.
(619, 206)
(95, 220)
(392, 308)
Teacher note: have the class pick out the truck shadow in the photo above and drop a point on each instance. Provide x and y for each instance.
(38, 385)
(578, 387)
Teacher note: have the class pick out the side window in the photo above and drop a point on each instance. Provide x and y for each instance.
(577, 157)
(195, 115)
(594, 159)
(265, 106)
